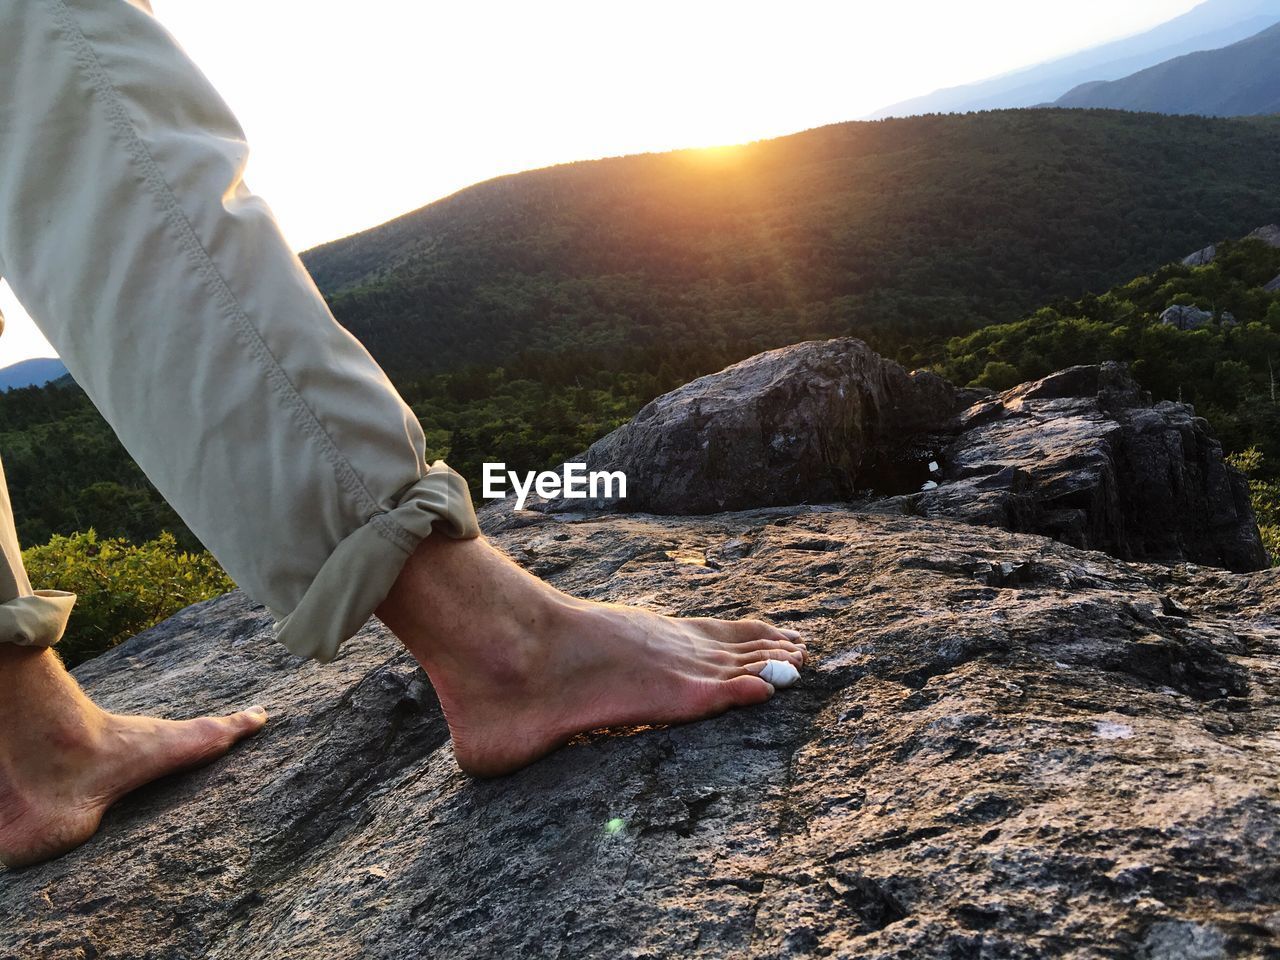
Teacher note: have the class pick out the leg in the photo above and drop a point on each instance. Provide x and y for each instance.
(63, 761)
(127, 231)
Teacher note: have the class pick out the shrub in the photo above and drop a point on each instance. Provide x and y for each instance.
(1266, 500)
(998, 375)
(121, 588)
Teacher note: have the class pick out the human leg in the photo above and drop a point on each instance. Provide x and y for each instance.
(64, 761)
(170, 293)
(168, 290)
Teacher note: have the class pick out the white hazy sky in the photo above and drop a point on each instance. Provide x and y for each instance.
(360, 110)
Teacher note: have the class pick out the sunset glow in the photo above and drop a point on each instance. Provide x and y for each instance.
(360, 112)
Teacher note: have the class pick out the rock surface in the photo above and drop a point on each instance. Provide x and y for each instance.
(1082, 456)
(1185, 317)
(1085, 457)
(1268, 234)
(1202, 256)
(808, 423)
(1005, 747)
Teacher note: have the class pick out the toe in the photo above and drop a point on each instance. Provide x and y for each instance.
(760, 656)
(236, 726)
(747, 689)
(208, 738)
(752, 631)
(781, 649)
(744, 631)
(250, 721)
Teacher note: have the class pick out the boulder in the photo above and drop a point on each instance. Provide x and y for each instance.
(813, 422)
(1201, 256)
(1269, 234)
(1085, 457)
(1082, 456)
(1186, 317)
(1004, 747)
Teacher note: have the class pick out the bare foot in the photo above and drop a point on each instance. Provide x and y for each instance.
(64, 761)
(520, 667)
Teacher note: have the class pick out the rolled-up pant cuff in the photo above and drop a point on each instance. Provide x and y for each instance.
(36, 620)
(360, 572)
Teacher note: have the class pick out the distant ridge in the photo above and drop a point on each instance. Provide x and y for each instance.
(896, 232)
(31, 373)
(1213, 24)
(1240, 80)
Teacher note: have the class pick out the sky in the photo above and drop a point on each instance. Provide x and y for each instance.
(357, 111)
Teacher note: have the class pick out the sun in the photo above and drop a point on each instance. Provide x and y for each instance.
(724, 155)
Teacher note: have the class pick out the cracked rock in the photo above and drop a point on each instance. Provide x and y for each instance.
(962, 765)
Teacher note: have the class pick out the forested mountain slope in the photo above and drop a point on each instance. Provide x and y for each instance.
(540, 261)
(897, 231)
(1240, 80)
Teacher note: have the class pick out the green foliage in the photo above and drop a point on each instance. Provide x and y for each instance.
(67, 471)
(1229, 370)
(998, 375)
(902, 232)
(525, 317)
(1265, 495)
(121, 588)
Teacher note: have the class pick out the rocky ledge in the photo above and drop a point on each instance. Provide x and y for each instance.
(1006, 747)
(1083, 456)
(814, 422)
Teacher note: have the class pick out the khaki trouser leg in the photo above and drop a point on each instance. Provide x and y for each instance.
(167, 289)
(31, 618)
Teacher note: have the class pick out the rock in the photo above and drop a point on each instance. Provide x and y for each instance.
(813, 422)
(1228, 319)
(1269, 234)
(936, 785)
(1082, 456)
(1186, 317)
(1201, 256)
(1085, 457)
(1272, 286)
(1180, 940)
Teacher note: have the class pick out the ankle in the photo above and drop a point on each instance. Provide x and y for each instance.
(452, 591)
(43, 711)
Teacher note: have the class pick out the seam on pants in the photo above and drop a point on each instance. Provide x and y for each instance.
(223, 297)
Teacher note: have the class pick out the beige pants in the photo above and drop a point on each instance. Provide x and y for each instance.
(167, 289)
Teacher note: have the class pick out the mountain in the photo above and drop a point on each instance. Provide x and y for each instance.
(901, 232)
(1240, 80)
(525, 318)
(31, 373)
(1213, 24)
